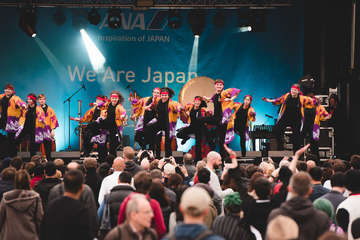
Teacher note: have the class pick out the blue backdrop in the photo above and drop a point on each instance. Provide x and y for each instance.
(56, 61)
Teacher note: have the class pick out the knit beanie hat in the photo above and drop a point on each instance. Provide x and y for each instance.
(325, 205)
(233, 202)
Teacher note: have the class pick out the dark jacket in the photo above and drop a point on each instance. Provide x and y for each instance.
(312, 222)
(335, 198)
(115, 198)
(127, 233)
(93, 181)
(192, 231)
(5, 186)
(318, 191)
(259, 212)
(132, 168)
(44, 186)
(232, 228)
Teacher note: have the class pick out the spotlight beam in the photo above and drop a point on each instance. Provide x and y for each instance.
(96, 58)
(193, 66)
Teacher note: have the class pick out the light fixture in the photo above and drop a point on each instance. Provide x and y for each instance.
(94, 17)
(27, 21)
(197, 21)
(114, 18)
(59, 16)
(174, 19)
(219, 19)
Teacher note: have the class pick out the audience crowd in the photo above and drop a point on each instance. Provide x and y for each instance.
(135, 196)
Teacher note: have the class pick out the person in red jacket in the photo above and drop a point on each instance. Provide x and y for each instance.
(142, 183)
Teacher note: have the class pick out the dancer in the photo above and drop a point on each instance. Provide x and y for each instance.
(243, 116)
(291, 114)
(167, 112)
(11, 109)
(51, 123)
(142, 117)
(193, 114)
(115, 121)
(223, 114)
(32, 125)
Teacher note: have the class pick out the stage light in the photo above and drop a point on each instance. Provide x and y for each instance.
(79, 18)
(94, 17)
(253, 20)
(114, 18)
(219, 19)
(245, 29)
(174, 19)
(96, 58)
(197, 21)
(193, 65)
(27, 21)
(59, 16)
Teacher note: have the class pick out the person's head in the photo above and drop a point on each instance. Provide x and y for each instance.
(42, 99)
(300, 184)
(16, 162)
(253, 178)
(219, 85)
(339, 166)
(247, 100)
(38, 170)
(157, 192)
(74, 182)
(203, 175)
(145, 164)
(188, 159)
(8, 174)
(36, 159)
(352, 182)
(128, 153)
(200, 164)
(59, 162)
(355, 228)
(236, 179)
(110, 159)
(103, 114)
(156, 174)
(72, 166)
(118, 164)
(166, 93)
(282, 228)
(175, 181)
(316, 174)
(326, 206)
(156, 92)
(355, 161)
(301, 166)
(284, 175)
(100, 99)
(262, 188)
(125, 177)
(31, 99)
(233, 204)
(139, 212)
(310, 164)
(8, 89)
(333, 100)
(338, 180)
(116, 97)
(142, 182)
(294, 90)
(168, 170)
(194, 203)
(103, 169)
(29, 167)
(50, 169)
(22, 180)
(213, 159)
(251, 169)
(90, 163)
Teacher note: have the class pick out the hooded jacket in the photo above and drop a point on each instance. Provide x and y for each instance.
(21, 213)
(132, 168)
(312, 222)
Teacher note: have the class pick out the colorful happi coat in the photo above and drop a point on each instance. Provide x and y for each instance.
(51, 123)
(14, 112)
(120, 117)
(228, 108)
(321, 115)
(138, 111)
(39, 124)
(185, 113)
(250, 118)
(88, 116)
(305, 102)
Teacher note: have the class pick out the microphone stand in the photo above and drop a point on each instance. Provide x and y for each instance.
(69, 100)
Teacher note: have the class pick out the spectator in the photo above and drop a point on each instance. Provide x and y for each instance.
(130, 165)
(301, 166)
(104, 170)
(331, 236)
(116, 197)
(317, 190)
(145, 164)
(213, 211)
(157, 174)
(137, 226)
(86, 198)
(282, 228)
(7, 180)
(352, 203)
(312, 222)
(44, 186)
(142, 183)
(335, 196)
(157, 192)
(21, 210)
(60, 165)
(110, 159)
(310, 164)
(92, 179)
(66, 217)
(16, 163)
(29, 167)
(203, 176)
(112, 180)
(38, 175)
(213, 161)
(232, 225)
(355, 161)
(326, 206)
(355, 228)
(194, 205)
(36, 159)
(188, 162)
(281, 189)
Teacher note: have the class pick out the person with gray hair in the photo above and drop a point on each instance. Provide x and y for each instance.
(138, 221)
(312, 222)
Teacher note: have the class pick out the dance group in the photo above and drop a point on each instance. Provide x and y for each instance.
(156, 117)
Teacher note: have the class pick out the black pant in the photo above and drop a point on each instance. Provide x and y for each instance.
(220, 134)
(140, 139)
(8, 145)
(47, 148)
(28, 135)
(152, 136)
(295, 124)
(114, 141)
(307, 133)
(242, 135)
(192, 129)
